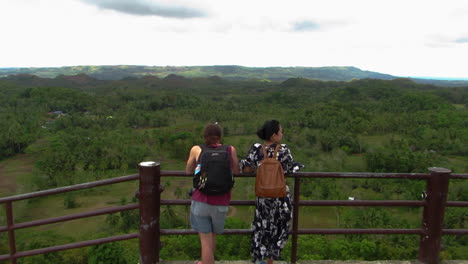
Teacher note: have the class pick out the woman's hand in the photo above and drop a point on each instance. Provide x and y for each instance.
(247, 169)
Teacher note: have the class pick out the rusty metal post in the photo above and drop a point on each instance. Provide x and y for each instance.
(11, 231)
(149, 197)
(433, 215)
(297, 187)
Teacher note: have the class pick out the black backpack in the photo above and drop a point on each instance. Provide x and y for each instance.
(213, 175)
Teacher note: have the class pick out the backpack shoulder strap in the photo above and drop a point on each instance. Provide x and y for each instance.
(224, 147)
(265, 154)
(276, 150)
(203, 148)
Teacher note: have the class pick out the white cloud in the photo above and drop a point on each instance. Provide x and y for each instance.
(148, 8)
(420, 38)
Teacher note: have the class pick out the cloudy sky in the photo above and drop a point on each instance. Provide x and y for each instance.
(399, 37)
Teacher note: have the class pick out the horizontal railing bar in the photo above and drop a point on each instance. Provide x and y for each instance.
(361, 203)
(455, 231)
(183, 174)
(70, 246)
(318, 203)
(417, 176)
(227, 232)
(457, 204)
(360, 175)
(233, 202)
(194, 232)
(69, 188)
(47, 221)
(305, 231)
(242, 202)
(174, 174)
(179, 232)
(188, 202)
(360, 231)
(175, 202)
(459, 176)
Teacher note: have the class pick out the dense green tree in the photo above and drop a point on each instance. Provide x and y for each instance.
(106, 253)
(36, 240)
(398, 156)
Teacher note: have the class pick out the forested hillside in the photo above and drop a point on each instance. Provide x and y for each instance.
(75, 129)
(232, 72)
(225, 71)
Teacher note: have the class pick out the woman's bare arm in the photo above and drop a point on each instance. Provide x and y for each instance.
(192, 160)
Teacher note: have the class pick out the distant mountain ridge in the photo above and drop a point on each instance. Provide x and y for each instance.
(118, 72)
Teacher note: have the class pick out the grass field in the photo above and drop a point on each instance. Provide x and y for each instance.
(458, 164)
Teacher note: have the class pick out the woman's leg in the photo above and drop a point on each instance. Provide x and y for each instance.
(208, 244)
(213, 239)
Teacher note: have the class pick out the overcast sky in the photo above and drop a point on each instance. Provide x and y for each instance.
(399, 37)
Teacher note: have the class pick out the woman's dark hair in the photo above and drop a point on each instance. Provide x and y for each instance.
(212, 134)
(268, 129)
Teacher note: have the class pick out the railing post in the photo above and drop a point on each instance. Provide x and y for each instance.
(297, 187)
(149, 199)
(433, 215)
(11, 231)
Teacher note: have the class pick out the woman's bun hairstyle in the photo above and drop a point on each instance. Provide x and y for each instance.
(269, 128)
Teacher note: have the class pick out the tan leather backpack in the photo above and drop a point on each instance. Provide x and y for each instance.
(270, 181)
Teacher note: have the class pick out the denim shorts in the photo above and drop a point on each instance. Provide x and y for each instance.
(206, 218)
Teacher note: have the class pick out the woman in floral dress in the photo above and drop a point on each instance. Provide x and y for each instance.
(272, 220)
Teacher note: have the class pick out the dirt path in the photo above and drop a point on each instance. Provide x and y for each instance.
(7, 182)
(11, 171)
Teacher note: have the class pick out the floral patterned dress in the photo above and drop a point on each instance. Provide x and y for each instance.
(272, 220)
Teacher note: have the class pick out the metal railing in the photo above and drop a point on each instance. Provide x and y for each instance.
(149, 195)
(11, 226)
